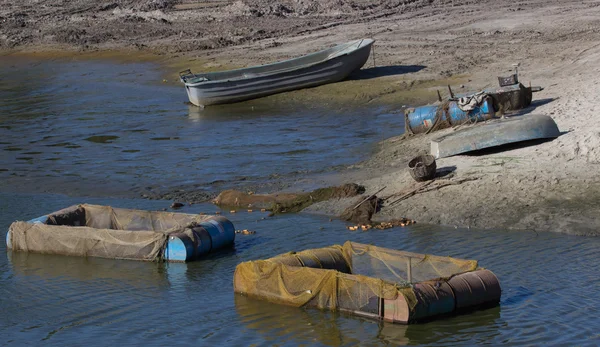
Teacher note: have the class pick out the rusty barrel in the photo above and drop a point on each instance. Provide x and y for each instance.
(433, 299)
(475, 288)
(396, 310)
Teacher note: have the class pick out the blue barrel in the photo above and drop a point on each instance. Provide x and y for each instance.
(206, 237)
(420, 119)
(203, 241)
(221, 230)
(479, 114)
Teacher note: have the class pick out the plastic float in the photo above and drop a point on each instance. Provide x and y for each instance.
(426, 119)
(106, 232)
(370, 281)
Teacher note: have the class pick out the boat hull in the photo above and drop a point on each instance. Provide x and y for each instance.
(495, 133)
(236, 90)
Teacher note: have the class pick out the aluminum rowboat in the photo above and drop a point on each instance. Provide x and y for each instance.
(326, 66)
(495, 133)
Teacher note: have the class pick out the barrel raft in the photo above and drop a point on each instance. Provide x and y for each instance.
(370, 281)
(117, 233)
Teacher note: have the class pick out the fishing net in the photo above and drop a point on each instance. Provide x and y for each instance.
(103, 231)
(353, 277)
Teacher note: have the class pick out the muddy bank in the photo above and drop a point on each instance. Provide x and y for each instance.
(526, 187)
(217, 35)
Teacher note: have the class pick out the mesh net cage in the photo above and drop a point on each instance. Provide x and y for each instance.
(103, 231)
(354, 277)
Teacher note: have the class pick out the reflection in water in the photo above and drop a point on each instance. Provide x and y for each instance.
(395, 334)
(46, 266)
(484, 322)
(194, 113)
(280, 323)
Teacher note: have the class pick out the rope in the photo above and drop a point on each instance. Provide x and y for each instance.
(443, 109)
(407, 129)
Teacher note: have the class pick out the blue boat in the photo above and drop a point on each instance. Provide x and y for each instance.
(117, 233)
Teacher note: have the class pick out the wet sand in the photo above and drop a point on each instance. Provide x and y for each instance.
(421, 46)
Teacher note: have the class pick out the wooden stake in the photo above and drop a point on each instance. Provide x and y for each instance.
(439, 95)
(450, 90)
(409, 270)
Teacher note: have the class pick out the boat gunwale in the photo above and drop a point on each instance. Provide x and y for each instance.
(335, 49)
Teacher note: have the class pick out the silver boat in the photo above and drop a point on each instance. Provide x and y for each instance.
(326, 66)
(495, 133)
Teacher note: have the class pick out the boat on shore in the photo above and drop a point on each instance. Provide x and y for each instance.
(495, 133)
(326, 66)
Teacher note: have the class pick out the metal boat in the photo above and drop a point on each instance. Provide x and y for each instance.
(495, 133)
(326, 66)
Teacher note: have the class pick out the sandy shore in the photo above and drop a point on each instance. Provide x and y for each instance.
(421, 46)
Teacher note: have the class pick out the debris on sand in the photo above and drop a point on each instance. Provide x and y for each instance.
(362, 213)
(383, 225)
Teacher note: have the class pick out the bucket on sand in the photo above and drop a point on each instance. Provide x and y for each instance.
(422, 168)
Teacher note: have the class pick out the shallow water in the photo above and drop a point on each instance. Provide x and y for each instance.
(549, 281)
(117, 127)
(96, 128)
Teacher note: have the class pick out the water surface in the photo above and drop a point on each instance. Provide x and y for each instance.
(105, 129)
(549, 281)
(89, 126)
